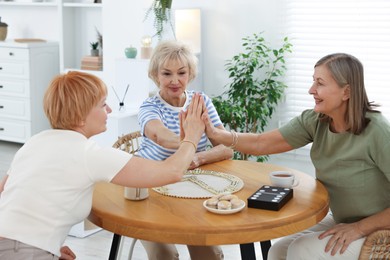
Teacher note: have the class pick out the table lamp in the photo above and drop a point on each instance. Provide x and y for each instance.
(188, 28)
(146, 48)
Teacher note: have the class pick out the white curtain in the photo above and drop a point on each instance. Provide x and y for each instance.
(317, 28)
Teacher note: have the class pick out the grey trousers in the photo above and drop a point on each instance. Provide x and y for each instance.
(15, 250)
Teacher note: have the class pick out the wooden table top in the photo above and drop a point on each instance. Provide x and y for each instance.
(173, 220)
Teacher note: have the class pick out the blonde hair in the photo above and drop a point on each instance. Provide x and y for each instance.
(70, 97)
(348, 70)
(172, 50)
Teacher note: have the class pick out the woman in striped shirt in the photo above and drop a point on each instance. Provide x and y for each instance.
(172, 67)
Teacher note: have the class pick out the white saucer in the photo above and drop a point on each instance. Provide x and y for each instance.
(224, 211)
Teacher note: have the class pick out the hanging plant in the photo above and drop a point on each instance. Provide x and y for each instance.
(161, 9)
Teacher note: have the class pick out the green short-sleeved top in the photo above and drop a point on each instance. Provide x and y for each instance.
(355, 169)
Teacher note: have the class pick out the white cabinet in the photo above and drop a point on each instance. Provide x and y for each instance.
(25, 72)
(72, 23)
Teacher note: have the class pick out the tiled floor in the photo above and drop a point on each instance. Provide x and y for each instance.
(97, 246)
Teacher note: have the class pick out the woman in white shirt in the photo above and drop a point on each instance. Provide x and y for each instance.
(49, 185)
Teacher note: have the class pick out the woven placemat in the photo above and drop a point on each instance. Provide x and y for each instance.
(199, 184)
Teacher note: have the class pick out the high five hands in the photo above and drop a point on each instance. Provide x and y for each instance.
(191, 124)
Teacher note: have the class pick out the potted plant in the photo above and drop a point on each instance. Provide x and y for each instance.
(255, 88)
(161, 9)
(94, 48)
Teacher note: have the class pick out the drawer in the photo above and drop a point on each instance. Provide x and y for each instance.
(14, 87)
(14, 130)
(15, 108)
(14, 69)
(16, 54)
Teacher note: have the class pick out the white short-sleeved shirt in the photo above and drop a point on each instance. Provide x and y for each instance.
(50, 185)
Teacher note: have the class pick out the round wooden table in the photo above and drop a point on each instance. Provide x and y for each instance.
(173, 220)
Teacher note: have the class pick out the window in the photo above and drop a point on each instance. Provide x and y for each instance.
(317, 28)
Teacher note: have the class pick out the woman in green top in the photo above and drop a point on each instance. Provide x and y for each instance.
(350, 149)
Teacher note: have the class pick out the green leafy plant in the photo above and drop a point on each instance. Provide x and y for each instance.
(255, 88)
(99, 37)
(94, 45)
(161, 9)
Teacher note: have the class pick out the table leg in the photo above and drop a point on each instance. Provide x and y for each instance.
(116, 240)
(265, 246)
(248, 251)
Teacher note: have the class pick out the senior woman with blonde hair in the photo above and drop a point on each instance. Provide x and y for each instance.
(172, 67)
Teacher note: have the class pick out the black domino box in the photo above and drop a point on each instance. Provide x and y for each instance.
(270, 197)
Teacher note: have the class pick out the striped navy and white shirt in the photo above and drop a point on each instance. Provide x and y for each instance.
(157, 108)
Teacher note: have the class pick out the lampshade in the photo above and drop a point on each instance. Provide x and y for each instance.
(188, 28)
(146, 41)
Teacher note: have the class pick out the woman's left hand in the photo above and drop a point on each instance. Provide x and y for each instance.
(341, 236)
(195, 162)
(67, 253)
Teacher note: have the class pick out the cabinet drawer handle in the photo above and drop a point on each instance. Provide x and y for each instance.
(1, 68)
(11, 54)
(1, 86)
(2, 128)
(1, 106)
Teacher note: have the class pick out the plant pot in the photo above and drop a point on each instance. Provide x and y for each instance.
(95, 52)
(131, 52)
(3, 30)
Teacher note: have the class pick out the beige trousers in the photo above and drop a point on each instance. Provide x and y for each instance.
(15, 250)
(160, 251)
(306, 245)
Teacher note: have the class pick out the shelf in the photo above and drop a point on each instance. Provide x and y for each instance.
(91, 5)
(40, 4)
(51, 4)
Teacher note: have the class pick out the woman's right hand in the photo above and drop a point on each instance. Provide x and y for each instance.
(191, 124)
(210, 129)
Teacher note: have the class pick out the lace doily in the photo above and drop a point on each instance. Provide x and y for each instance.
(198, 184)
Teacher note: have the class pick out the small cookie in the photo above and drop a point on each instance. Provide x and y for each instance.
(224, 205)
(212, 203)
(228, 197)
(219, 196)
(236, 203)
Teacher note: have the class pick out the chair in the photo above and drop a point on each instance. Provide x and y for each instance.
(128, 143)
(376, 246)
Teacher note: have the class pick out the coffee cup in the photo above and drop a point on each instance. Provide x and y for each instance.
(136, 193)
(283, 179)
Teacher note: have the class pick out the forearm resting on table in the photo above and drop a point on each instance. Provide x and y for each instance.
(215, 154)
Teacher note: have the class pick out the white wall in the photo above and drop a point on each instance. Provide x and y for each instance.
(224, 24)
